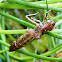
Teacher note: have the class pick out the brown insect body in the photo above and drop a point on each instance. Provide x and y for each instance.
(34, 34)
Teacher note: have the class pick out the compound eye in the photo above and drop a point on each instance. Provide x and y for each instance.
(53, 23)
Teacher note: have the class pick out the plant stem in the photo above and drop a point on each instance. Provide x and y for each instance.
(34, 5)
(24, 30)
(14, 31)
(49, 1)
(53, 50)
(58, 23)
(3, 37)
(54, 35)
(4, 50)
(53, 43)
(49, 43)
(57, 31)
(59, 5)
(4, 43)
(20, 59)
(2, 57)
(19, 6)
(36, 49)
(13, 6)
(17, 20)
(42, 57)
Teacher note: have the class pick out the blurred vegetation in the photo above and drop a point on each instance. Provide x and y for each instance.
(13, 24)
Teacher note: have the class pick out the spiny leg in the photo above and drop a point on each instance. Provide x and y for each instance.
(50, 14)
(46, 13)
(48, 17)
(38, 21)
(33, 14)
(44, 17)
(27, 16)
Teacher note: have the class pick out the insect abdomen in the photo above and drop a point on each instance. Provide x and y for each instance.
(20, 42)
(32, 35)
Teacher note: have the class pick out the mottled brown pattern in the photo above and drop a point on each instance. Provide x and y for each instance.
(34, 34)
(20, 42)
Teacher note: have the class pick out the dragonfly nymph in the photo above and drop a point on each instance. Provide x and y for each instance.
(36, 33)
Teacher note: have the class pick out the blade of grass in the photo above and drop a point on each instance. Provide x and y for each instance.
(18, 58)
(18, 20)
(1, 51)
(13, 6)
(34, 5)
(45, 54)
(19, 6)
(2, 57)
(49, 43)
(23, 31)
(41, 57)
(53, 32)
(3, 38)
(49, 1)
(36, 49)
(14, 31)
(54, 35)
(53, 43)
(58, 23)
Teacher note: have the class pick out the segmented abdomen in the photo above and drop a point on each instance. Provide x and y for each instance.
(32, 35)
(20, 42)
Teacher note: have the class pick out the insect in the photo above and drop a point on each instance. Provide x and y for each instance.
(36, 33)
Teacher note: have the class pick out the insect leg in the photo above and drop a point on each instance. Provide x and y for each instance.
(46, 13)
(44, 18)
(33, 14)
(27, 16)
(50, 14)
(38, 21)
(48, 17)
